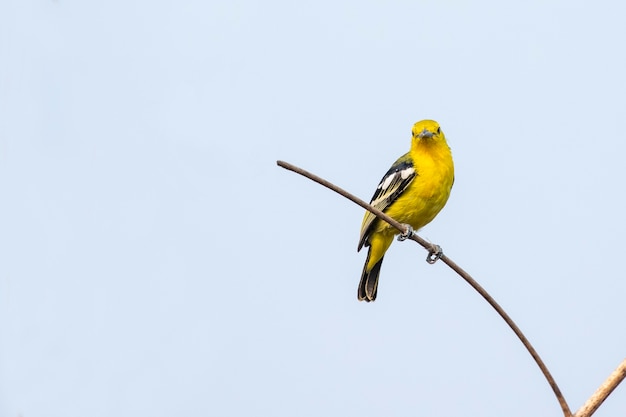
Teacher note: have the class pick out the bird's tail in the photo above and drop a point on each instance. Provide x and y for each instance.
(368, 287)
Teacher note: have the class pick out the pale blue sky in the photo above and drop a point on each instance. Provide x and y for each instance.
(154, 261)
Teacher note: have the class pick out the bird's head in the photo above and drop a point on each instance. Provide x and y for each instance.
(427, 130)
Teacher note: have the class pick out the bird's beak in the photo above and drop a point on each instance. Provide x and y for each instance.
(425, 134)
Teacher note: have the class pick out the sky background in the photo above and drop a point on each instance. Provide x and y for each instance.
(154, 260)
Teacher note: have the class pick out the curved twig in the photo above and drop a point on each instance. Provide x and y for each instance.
(430, 247)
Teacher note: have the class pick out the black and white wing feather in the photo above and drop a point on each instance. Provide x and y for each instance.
(393, 184)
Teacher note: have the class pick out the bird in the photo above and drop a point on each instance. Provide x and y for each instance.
(413, 192)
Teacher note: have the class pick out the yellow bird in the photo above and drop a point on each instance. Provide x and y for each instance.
(413, 191)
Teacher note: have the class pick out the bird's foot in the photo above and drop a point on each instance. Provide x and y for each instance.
(434, 254)
(407, 234)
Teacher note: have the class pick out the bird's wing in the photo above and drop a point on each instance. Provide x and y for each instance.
(395, 181)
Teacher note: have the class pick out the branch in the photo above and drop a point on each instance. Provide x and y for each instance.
(433, 248)
(603, 392)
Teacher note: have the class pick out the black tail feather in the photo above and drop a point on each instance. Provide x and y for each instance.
(368, 287)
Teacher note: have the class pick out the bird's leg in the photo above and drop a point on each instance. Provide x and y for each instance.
(434, 254)
(407, 234)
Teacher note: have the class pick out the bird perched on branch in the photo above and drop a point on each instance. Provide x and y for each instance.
(413, 191)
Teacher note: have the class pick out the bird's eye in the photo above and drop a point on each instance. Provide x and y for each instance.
(438, 130)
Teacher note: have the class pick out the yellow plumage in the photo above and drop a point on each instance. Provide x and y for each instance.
(413, 191)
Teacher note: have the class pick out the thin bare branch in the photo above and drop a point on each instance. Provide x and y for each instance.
(603, 392)
(430, 247)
